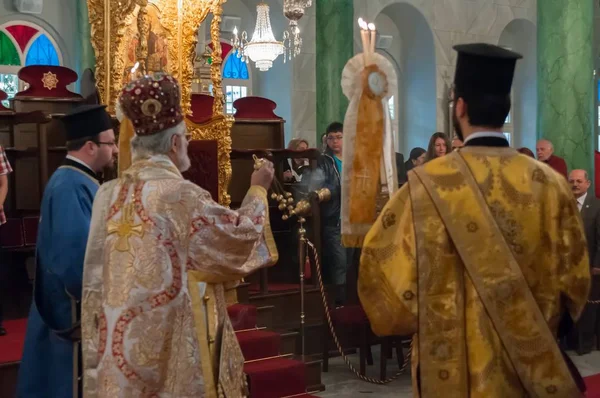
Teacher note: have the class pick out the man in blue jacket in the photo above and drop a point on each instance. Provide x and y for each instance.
(335, 256)
(51, 353)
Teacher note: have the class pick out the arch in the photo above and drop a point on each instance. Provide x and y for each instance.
(40, 26)
(235, 68)
(520, 35)
(417, 98)
(374, 8)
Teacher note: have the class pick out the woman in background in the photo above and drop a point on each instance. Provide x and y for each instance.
(526, 151)
(439, 145)
(293, 169)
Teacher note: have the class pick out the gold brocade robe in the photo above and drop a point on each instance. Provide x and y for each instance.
(153, 310)
(412, 280)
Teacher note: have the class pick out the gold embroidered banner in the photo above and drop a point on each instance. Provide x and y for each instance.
(364, 181)
(369, 169)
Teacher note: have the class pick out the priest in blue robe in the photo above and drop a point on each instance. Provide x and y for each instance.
(49, 367)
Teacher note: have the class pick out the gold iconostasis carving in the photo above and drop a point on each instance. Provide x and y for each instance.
(161, 35)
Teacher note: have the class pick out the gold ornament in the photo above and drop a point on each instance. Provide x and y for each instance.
(110, 20)
(125, 228)
(50, 80)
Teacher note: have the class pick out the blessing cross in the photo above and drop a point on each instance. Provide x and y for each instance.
(364, 178)
(125, 228)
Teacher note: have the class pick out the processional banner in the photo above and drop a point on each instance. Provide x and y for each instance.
(368, 164)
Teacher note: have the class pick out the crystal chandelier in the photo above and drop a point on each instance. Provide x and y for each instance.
(294, 11)
(263, 49)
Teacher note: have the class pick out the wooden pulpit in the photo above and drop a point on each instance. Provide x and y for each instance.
(256, 127)
(39, 150)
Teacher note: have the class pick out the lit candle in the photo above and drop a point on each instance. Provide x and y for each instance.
(373, 37)
(364, 37)
(134, 69)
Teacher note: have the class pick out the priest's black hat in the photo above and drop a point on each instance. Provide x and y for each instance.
(86, 121)
(484, 69)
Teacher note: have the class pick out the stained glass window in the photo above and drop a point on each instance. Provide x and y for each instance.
(9, 83)
(8, 52)
(42, 52)
(235, 68)
(22, 34)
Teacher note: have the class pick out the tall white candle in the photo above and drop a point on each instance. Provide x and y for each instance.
(373, 37)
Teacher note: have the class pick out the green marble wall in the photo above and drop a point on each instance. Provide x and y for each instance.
(565, 79)
(335, 46)
(86, 58)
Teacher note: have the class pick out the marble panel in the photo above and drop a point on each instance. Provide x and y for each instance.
(504, 15)
(304, 107)
(484, 20)
(308, 33)
(450, 15)
(565, 92)
(334, 26)
(305, 72)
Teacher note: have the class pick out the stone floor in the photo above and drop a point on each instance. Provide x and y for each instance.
(341, 383)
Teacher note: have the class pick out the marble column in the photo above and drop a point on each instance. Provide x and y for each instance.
(565, 79)
(87, 58)
(335, 46)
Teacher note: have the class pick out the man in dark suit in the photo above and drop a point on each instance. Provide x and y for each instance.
(587, 331)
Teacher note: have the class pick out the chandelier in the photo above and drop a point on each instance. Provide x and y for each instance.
(263, 49)
(294, 11)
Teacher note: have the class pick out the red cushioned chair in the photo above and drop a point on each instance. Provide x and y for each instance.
(354, 329)
(202, 108)
(204, 169)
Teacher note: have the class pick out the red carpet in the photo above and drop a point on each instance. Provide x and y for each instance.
(242, 316)
(11, 345)
(593, 386)
(275, 378)
(258, 344)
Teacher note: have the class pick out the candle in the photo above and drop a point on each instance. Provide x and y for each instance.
(134, 69)
(365, 38)
(373, 37)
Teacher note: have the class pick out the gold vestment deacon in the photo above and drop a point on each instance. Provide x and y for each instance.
(413, 280)
(154, 316)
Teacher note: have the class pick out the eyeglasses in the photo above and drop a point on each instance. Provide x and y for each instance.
(335, 138)
(106, 143)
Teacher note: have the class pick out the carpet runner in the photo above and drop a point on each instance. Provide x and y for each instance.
(275, 377)
(269, 376)
(593, 386)
(11, 345)
(242, 316)
(257, 344)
